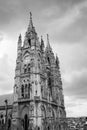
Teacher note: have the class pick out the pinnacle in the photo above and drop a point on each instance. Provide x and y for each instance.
(20, 38)
(30, 23)
(41, 38)
(19, 41)
(42, 42)
(48, 43)
(57, 61)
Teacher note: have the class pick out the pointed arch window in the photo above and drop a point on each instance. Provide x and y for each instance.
(28, 68)
(9, 124)
(49, 81)
(29, 41)
(26, 90)
(25, 68)
(48, 59)
(22, 91)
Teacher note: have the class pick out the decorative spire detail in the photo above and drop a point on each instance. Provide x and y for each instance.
(19, 41)
(42, 40)
(42, 44)
(48, 43)
(30, 28)
(30, 23)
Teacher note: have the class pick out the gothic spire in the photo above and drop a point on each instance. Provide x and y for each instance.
(31, 28)
(31, 22)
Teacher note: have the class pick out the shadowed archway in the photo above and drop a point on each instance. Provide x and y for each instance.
(26, 122)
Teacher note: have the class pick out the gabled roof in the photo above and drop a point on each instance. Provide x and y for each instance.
(8, 97)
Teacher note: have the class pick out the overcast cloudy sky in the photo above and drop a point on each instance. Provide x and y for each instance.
(66, 23)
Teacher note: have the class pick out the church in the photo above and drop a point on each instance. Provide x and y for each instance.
(37, 102)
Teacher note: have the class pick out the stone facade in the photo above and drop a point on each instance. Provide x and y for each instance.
(38, 100)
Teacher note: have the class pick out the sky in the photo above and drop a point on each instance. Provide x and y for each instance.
(66, 23)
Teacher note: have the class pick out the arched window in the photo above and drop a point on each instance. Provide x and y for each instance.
(29, 41)
(49, 81)
(26, 122)
(38, 128)
(9, 123)
(59, 127)
(48, 60)
(48, 128)
(26, 91)
(28, 67)
(22, 91)
(25, 68)
(1, 116)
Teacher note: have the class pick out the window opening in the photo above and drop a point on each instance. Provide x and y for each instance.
(22, 91)
(29, 41)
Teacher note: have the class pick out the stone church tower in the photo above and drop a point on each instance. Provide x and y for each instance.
(38, 93)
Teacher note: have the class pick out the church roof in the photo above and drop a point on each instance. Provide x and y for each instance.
(8, 97)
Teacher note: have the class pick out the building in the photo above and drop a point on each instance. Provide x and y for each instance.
(38, 100)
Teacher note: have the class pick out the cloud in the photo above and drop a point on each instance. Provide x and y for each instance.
(75, 107)
(65, 21)
(6, 79)
(76, 84)
(1, 37)
(70, 26)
